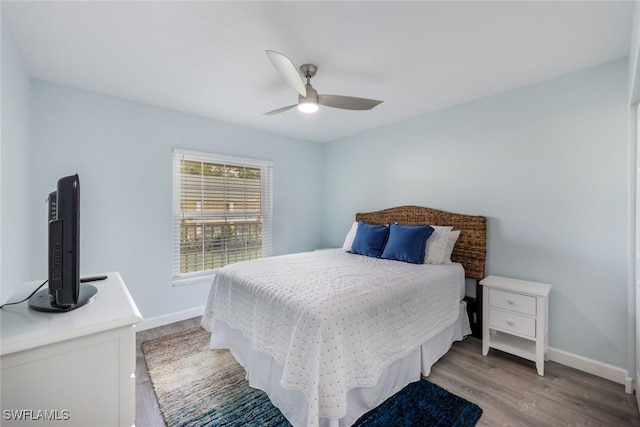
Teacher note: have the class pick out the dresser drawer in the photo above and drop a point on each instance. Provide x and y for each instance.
(512, 322)
(524, 304)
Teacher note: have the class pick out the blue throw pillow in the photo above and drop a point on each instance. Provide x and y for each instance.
(370, 239)
(407, 243)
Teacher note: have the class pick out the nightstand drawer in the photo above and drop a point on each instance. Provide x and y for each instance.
(512, 322)
(514, 302)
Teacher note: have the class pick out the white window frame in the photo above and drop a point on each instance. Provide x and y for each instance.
(266, 206)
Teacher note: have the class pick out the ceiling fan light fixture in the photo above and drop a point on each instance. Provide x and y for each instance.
(308, 107)
(309, 103)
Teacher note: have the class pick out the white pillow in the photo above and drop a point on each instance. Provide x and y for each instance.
(451, 242)
(435, 251)
(348, 241)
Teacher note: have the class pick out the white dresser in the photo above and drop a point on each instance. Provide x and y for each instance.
(73, 369)
(515, 318)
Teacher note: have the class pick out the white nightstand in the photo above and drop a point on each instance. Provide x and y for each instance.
(515, 318)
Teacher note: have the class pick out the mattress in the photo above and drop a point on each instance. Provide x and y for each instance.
(334, 321)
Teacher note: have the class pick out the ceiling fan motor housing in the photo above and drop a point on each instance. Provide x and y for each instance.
(312, 95)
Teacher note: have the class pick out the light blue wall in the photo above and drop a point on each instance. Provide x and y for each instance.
(122, 151)
(15, 171)
(547, 164)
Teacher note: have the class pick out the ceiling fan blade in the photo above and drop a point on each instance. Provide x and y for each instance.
(280, 110)
(347, 102)
(287, 70)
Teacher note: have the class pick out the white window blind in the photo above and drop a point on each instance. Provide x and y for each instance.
(222, 212)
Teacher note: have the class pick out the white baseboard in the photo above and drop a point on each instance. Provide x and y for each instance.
(603, 370)
(166, 319)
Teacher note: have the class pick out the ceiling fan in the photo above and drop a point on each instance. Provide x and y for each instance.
(308, 98)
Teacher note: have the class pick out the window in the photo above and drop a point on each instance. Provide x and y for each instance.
(222, 209)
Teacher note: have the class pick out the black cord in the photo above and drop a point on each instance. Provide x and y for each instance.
(32, 294)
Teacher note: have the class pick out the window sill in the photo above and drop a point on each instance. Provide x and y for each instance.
(185, 281)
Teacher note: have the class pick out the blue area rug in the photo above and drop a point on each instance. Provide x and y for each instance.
(199, 387)
(423, 404)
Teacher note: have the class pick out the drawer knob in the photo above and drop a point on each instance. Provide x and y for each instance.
(511, 302)
(510, 322)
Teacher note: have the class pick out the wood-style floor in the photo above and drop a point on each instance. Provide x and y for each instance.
(507, 388)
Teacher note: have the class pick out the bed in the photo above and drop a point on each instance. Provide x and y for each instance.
(330, 334)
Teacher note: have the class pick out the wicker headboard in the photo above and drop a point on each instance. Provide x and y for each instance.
(471, 247)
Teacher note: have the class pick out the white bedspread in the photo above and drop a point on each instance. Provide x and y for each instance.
(334, 320)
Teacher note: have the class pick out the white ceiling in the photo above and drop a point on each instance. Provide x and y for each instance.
(207, 58)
